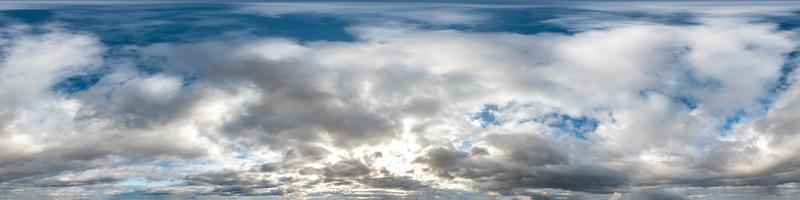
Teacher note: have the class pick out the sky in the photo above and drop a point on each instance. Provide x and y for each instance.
(611, 100)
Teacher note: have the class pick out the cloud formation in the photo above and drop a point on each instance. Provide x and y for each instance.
(645, 110)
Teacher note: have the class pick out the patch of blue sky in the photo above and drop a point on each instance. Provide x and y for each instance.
(680, 93)
(82, 82)
(188, 80)
(146, 182)
(28, 16)
(185, 166)
(522, 21)
(576, 126)
(148, 69)
(76, 83)
(167, 164)
(487, 116)
(774, 90)
(671, 18)
(731, 121)
(242, 155)
(728, 122)
(784, 81)
(544, 18)
(142, 24)
(788, 21)
(464, 145)
(690, 103)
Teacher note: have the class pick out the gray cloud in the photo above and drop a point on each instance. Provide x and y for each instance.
(522, 171)
(403, 183)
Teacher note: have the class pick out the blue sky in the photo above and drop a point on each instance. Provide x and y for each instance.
(451, 99)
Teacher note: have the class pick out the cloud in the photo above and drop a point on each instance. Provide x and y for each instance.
(519, 168)
(48, 133)
(657, 194)
(407, 110)
(431, 13)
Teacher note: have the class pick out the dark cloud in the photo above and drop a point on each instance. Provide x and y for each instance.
(267, 167)
(69, 157)
(530, 149)
(528, 162)
(347, 168)
(403, 183)
(141, 103)
(293, 102)
(236, 183)
(477, 151)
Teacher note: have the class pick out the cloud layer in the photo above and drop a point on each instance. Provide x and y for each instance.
(420, 103)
